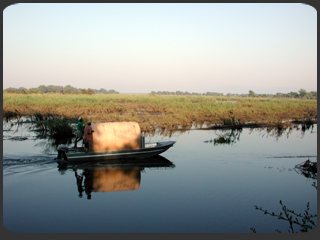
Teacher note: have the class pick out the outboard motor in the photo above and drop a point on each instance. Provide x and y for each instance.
(62, 149)
(142, 140)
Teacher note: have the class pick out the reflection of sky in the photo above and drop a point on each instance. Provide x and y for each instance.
(23, 147)
(256, 142)
(20, 147)
(226, 178)
(213, 188)
(252, 142)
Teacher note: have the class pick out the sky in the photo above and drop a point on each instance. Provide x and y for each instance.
(139, 48)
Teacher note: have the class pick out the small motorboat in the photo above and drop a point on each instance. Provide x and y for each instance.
(76, 155)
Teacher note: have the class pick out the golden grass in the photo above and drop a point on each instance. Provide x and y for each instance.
(155, 111)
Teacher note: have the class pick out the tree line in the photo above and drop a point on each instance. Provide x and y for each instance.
(59, 89)
(302, 93)
(185, 93)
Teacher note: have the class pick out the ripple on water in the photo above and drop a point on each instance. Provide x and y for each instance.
(14, 164)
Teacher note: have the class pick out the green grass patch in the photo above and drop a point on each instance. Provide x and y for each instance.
(161, 111)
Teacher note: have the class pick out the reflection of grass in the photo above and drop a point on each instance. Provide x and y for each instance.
(169, 112)
(230, 136)
(56, 130)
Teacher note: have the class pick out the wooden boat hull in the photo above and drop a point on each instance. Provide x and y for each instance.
(73, 155)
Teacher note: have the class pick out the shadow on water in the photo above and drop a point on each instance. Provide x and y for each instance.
(112, 176)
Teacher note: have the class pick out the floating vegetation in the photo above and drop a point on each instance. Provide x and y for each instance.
(307, 168)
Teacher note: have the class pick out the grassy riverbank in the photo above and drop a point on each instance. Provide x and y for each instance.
(166, 112)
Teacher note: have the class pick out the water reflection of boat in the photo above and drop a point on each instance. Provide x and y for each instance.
(155, 161)
(113, 176)
(79, 155)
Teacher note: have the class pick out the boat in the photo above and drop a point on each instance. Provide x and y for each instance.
(76, 155)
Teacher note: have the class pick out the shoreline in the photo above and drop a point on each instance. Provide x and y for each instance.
(209, 126)
(154, 112)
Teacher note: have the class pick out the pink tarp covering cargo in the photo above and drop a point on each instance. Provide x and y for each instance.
(115, 136)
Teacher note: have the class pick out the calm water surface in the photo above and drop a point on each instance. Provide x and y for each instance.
(202, 184)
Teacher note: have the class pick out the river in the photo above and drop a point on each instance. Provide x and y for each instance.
(210, 181)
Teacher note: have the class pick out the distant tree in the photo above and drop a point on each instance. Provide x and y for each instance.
(34, 90)
(302, 93)
(88, 91)
(22, 90)
(251, 93)
(70, 89)
(55, 89)
(213, 94)
(102, 90)
(11, 90)
(313, 95)
(43, 89)
(293, 94)
(112, 91)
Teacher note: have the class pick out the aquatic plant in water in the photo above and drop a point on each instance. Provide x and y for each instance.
(304, 221)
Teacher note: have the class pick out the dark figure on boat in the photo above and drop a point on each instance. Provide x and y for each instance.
(80, 131)
(62, 148)
(88, 137)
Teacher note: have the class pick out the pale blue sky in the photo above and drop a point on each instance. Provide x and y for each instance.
(229, 48)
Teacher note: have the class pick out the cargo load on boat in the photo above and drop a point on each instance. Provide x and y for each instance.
(115, 136)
